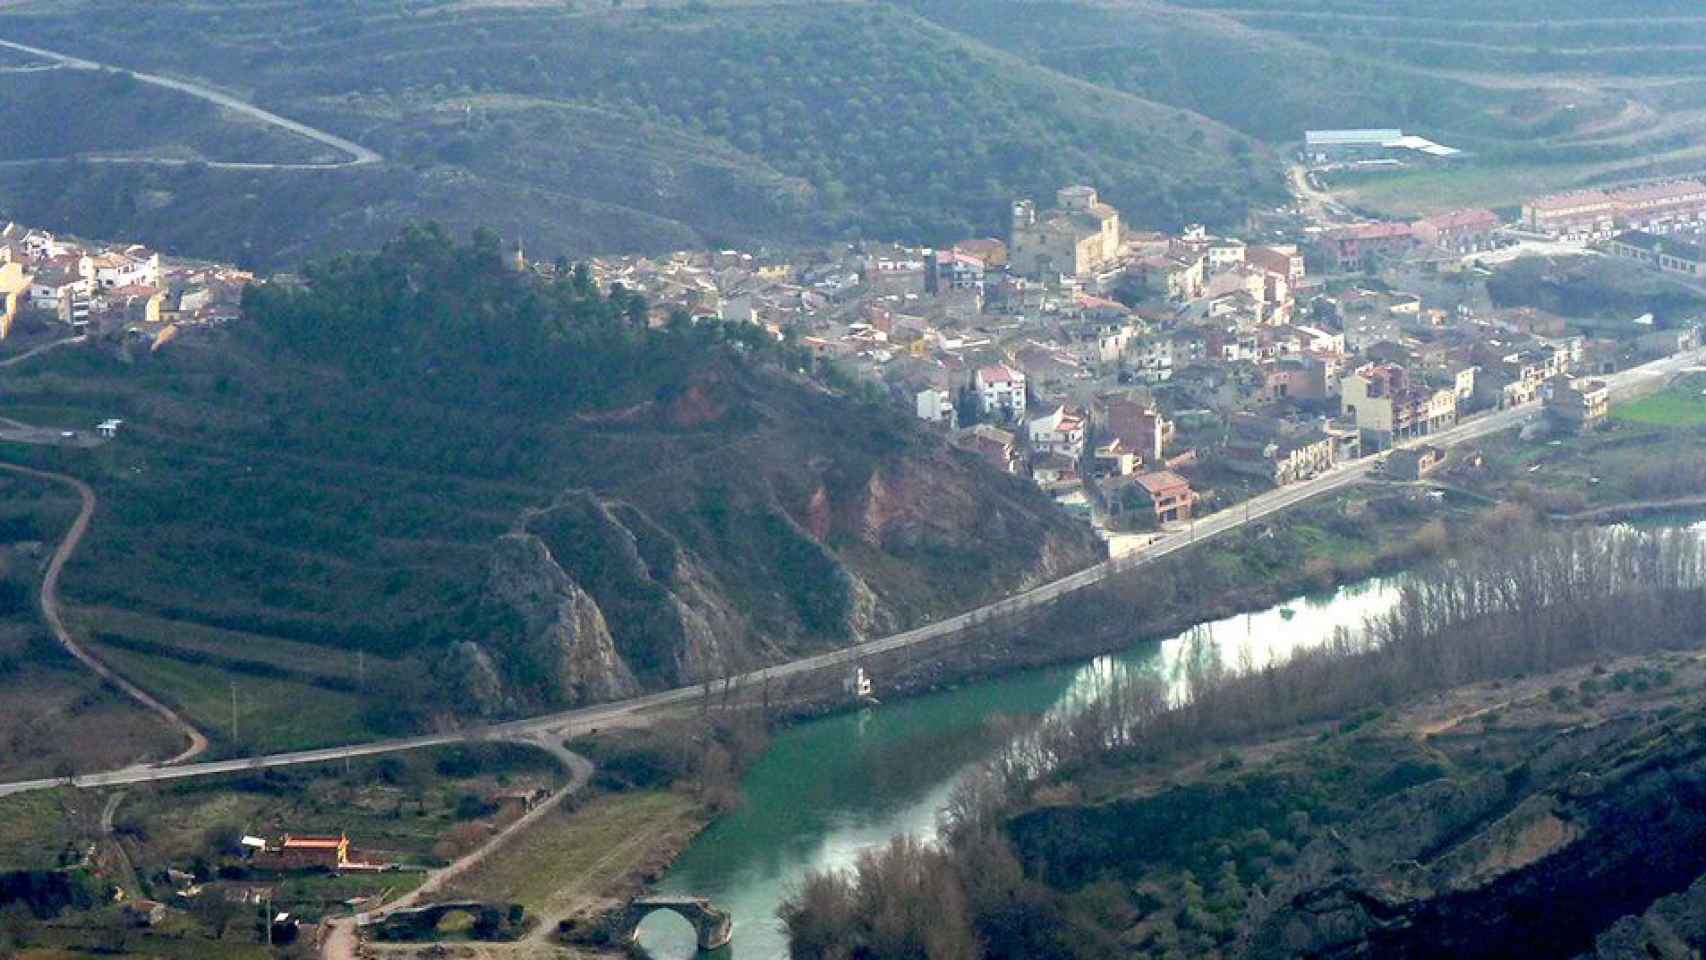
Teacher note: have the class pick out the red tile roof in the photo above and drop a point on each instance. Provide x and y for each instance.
(1160, 482)
(1569, 201)
(1370, 231)
(1461, 218)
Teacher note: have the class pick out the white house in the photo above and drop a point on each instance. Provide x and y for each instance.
(136, 267)
(1060, 431)
(937, 406)
(1000, 391)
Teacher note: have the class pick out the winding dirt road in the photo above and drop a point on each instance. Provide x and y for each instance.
(340, 940)
(54, 614)
(358, 155)
(38, 351)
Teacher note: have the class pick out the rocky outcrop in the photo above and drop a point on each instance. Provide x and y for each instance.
(1673, 929)
(565, 644)
(473, 679)
(668, 614)
(1534, 862)
(746, 516)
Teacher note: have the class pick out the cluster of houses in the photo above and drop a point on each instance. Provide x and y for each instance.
(1657, 224)
(120, 290)
(1118, 368)
(1591, 215)
(1361, 246)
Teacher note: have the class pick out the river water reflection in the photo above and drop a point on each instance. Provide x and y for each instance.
(829, 788)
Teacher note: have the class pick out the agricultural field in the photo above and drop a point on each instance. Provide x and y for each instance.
(1652, 448)
(1682, 404)
(572, 859)
(1540, 100)
(55, 717)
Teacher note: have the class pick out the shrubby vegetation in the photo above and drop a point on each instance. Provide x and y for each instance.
(612, 128)
(1540, 602)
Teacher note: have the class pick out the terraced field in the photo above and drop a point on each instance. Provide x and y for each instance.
(599, 127)
(1546, 96)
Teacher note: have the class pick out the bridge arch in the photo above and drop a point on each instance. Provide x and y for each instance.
(712, 927)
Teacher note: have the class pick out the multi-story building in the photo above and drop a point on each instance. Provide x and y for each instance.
(1139, 428)
(1306, 377)
(1666, 253)
(1059, 431)
(952, 270)
(1000, 392)
(1661, 207)
(1283, 259)
(1358, 247)
(1281, 460)
(994, 445)
(135, 267)
(1459, 231)
(1578, 215)
(14, 293)
(1577, 405)
(1389, 406)
(1168, 493)
(1078, 238)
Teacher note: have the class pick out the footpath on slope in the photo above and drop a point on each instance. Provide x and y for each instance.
(358, 155)
(53, 613)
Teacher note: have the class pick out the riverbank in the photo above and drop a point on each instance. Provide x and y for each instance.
(1372, 531)
(1342, 539)
(1436, 793)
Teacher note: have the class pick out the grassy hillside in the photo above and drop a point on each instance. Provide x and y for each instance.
(62, 113)
(697, 123)
(1545, 96)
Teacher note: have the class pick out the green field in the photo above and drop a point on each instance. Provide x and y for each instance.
(1682, 404)
(567, 856)
(272, 715)
(1421, 191)
(36, 827)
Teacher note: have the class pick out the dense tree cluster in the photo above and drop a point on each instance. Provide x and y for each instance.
(1539, 602)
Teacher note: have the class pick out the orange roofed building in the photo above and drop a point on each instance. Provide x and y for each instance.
(307, 853)
(1170, 493)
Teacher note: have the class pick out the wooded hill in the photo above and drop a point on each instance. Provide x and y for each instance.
(505, 494)
(611, 128)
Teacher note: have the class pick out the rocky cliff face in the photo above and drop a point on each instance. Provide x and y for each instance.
(566, 651)
(1536, 862)
(749, 517)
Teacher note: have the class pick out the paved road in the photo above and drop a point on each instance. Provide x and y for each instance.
(358, 155)
(637, 710)
(12, 431)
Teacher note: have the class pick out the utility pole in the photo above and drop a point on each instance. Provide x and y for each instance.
(233, 711)
(361, 669)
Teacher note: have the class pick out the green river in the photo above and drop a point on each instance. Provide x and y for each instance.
(828, 788)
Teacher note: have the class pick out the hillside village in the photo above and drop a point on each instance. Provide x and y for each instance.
(1139, 377)
(52, 283)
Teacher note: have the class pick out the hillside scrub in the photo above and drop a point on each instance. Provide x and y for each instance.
(606, 128)
(1540, 602)
(509, 492)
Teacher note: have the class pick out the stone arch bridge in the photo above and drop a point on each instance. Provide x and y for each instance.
(713, 926)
